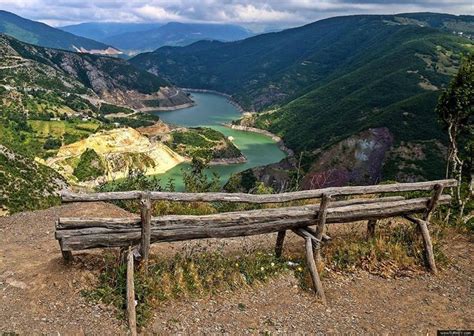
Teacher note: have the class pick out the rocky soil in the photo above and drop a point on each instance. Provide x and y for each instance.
(41, 295)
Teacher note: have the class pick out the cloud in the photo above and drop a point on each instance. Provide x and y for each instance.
(155, 13)
(270, 13)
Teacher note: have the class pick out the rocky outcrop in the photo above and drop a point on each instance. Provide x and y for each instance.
(121, 150)
(355, 160)
(111, 79)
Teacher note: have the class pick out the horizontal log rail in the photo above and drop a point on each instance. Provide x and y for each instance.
(78, 223)
(257, 199)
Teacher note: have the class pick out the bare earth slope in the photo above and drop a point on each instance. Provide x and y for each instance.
(38, 294)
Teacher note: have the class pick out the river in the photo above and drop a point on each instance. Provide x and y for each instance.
(211, 110)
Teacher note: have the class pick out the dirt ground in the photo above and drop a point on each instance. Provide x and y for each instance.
(39, 294)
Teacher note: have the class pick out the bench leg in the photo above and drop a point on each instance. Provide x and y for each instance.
(67, 256)
(317, 285)
(425, 233)
(279, 243)
(371, 224)
(422, 226)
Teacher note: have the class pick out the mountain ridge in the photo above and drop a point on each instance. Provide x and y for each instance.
(176, 34)
(41, 34)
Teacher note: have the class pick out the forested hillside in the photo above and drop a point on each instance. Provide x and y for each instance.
(334, 78)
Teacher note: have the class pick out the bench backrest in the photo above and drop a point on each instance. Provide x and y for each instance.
(85, 233)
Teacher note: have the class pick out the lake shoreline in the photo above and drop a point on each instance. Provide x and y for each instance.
(168, 108)
(279, 141)
(214, 110)
(232, 101)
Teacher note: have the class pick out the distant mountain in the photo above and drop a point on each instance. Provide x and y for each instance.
(40, 34)
(103, 75)
(332, 79)
(100, 31)
(176, 34)
(453, 23)
(98, 77)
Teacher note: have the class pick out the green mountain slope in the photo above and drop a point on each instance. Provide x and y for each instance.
(50, 98)
(26, 184)
(43, 35)
(398, 89)
(106, 76)
(332, 79)
(276, 67)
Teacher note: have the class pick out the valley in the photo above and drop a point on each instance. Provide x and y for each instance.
(382, 86)
(95, 120)
(213, 111)
(318, 85)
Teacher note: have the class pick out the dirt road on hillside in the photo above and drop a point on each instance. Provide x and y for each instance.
(40, 295)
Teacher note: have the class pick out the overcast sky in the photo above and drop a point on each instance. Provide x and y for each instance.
(276, 13)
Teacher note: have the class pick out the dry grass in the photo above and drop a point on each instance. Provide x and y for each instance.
(201, 270)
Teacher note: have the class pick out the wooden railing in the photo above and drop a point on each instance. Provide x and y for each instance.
(85, 233)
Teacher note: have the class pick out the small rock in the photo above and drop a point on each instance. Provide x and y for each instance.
(16, 283)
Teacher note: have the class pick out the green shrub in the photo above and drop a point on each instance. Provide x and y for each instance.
(52, 143)
(111, 109)
(90, 166)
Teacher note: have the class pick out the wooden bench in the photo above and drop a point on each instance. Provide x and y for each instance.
(86, 233)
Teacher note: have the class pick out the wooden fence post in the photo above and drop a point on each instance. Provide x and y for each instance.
(323, 211)
(279, 243)
(433, 202)
(371, 224)
(145, 215)
(131, 313)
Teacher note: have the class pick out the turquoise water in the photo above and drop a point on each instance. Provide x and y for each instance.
(212, 110)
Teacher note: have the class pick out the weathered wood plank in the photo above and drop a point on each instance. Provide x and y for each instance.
(425, 234)
(304, 233)
(433, 202)
(131, 313)
(226, 225)
(317, 285)
(81, 226)
(250, 198)
(119, 223)
(321, 223)
(146, 226)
